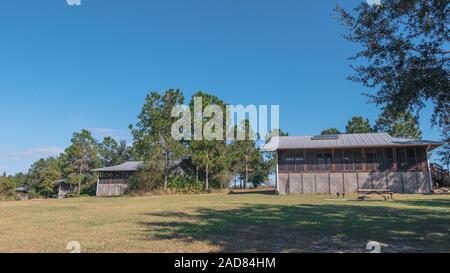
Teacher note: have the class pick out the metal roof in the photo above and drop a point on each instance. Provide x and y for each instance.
(129, 166)
(132, 166)
(345, 141)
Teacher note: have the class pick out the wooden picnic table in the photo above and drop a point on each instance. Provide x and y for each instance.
(386, 193)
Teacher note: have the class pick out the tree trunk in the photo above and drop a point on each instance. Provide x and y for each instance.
(207, 178)
(196, 174)
(166, 171)
(79, 180)
(246, 171)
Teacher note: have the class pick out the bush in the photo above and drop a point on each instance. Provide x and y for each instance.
(7, 189)
(145, 180)
(184, 185)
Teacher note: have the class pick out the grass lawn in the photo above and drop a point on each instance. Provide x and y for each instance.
(254, 222)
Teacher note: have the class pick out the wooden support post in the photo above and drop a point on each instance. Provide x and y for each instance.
(315, 182)
(304, 160)
(415, 160)
(364, 167)
(333, 161)
(329, 183)
(430, 177)
(394, 155)
(276, 172)
(303, 189)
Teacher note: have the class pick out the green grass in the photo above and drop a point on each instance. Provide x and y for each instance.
(254, 222)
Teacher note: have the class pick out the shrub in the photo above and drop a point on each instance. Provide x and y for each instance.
(184, 185)
(145, 180)
(7, 189)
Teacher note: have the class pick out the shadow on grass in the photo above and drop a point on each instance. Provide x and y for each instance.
(436, 203)
(307, 228)
(242, 192)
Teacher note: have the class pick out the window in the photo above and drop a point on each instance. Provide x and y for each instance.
(339, 160)
(370, 160)
(380, 160)
(310, 161)
(299, 162)
(357, 159)
(290, 162)
(323, 161)
(401, 159)
(410, 158)
(422, 163)
(282, 162)
(389, 159)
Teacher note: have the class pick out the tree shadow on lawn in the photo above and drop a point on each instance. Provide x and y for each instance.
(307, 228)
(434, 203)
(246, 192)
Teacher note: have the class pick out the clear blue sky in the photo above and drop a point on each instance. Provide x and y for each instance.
(66, 68)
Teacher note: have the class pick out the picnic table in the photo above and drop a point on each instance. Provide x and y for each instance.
(385, 193)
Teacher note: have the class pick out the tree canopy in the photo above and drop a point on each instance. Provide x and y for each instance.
(399, 125)
(331, 131)
(43, 176)
(208, 154)
(152, 133)
(404, 54)
(358, 125)
(113, 153)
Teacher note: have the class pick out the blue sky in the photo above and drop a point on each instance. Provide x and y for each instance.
(65, 68)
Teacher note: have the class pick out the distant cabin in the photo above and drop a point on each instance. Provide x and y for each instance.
(348, 162)
(114, 180)
(65, 188)
(22, 193)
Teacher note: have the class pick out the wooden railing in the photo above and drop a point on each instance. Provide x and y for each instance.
(440, 175)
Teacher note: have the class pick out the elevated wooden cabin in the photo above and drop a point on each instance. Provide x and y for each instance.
(344, 163)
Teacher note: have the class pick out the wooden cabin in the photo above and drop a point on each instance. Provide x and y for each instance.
(22, 193)
(345, 163)
(113, 181)
(65, 188)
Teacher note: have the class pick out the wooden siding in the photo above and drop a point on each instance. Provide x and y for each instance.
(349, 182)
(112, 187)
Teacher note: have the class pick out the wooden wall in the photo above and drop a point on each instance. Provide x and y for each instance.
(112, 187)
(349, 182)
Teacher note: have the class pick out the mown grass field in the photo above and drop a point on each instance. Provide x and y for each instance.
(254, 222)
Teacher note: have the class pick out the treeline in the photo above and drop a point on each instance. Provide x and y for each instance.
(397, 125)
(73, 166)
(206, 163)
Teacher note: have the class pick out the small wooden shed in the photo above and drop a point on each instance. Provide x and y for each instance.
(65, 188)
(113, 181)
(22, 193)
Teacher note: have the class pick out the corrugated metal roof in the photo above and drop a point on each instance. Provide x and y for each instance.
(125, 167)
(131, 166)
(345, 141)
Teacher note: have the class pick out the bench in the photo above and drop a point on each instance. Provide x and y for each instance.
(385, 193)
